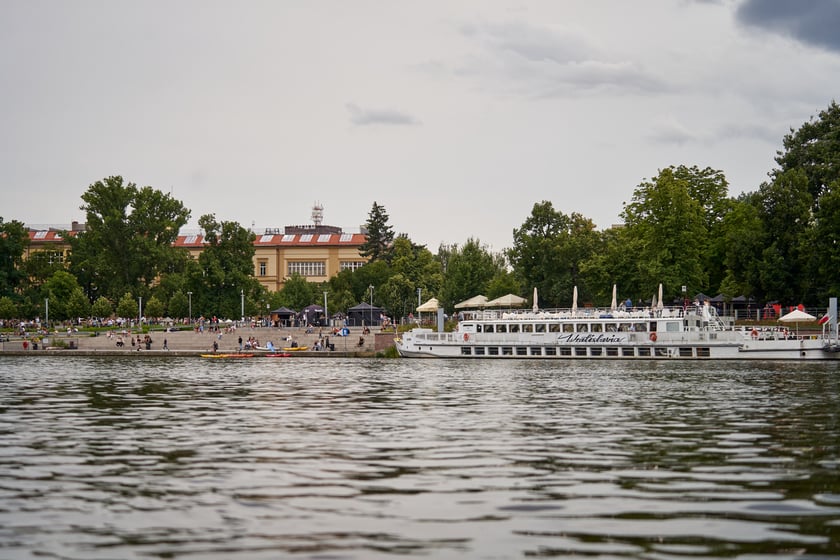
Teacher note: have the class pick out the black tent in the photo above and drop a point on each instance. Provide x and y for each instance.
(282, 316)
(314, 315)
(364, 313)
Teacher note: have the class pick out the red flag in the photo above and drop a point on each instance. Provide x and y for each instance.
(823, 320)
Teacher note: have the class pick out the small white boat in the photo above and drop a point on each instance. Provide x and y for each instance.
(693, 332)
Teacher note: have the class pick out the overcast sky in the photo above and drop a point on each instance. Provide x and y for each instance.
(456, 116)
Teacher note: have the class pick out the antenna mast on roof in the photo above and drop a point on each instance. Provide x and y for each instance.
(317, 214)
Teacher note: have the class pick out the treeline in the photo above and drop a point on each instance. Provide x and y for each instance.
(780, 242)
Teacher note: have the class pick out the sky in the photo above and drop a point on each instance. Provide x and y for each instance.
(456, 116)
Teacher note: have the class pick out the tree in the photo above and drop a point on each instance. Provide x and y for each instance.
(549, 250)
(297, 293)
(226, 270)
(179, 305)
(814, 149)
(128, 307)
(377, 246)
(102, 308)
(63, 290)
(14, 238)
(8, 309)
(469, 270)
(154, 308)
(668, 225)
(129, 236)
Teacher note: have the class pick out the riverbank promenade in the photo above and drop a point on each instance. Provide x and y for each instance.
(194, 343)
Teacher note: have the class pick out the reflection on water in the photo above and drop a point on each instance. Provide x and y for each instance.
(122, 458)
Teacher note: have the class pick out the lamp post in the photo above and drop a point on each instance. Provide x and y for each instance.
(189, 296)
(419, 302)
(371, 304)
(47, 314)
(326, 311)
(242, 306)
(140, 312)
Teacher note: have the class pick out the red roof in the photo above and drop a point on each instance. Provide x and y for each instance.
(288, 240)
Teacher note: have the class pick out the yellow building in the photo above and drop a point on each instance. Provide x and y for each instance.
(316, 252)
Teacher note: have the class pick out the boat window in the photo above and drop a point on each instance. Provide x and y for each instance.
(539, 327)
(639, 327)
(478, 328)
(514, 328)
(624, 327)
(565, 351)
(479, 350)
(582, 327)
(596, 351)
(536, 351)
(554, 327)
(672, 326)
(597, 327)
(527, 328)
(611, 327)
(568, 327)
(580, 351)
(550, 351)
(488, 328)
(521, 351)
(501, 328)
(644, 352)
(685, 352)
(507, 350)
(612, 350)
(493, 350)
(466, 350)
(627, 351)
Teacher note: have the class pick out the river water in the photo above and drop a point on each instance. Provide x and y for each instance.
(339, 459)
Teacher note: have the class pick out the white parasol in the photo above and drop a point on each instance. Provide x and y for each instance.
(535, 307)
(574, 300)
(614, 304)
(797, 316)
(659, 304)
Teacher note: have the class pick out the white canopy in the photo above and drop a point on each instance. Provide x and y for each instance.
(475, 301)
(429, 307)
(797, 315)
(509, 300)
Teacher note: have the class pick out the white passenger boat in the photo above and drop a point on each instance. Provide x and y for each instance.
(692, 332)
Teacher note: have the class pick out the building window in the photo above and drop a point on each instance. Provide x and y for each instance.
(308, 268)
(262, 268)
(56, 257)
(351, 265)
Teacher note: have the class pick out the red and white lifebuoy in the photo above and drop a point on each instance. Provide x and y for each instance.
(653, 337)
(754, 334)
(466, 337)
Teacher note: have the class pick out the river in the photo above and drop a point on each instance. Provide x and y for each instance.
(123, 457)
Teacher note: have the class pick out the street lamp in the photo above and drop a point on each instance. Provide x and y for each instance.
(189, 295)
(326, 312)
(419, 291)
(242, 295)
(371, 304)
(140, 312)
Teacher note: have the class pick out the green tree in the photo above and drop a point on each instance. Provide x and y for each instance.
(225, 268)
(548, 253)
(179, 305)
(469, 270)
(78, 305)
(14, 239)
(154, 308)
(60, 289)
(129, 236)
(824, 246)
(814, 149)
(297, 293)
(379, 235)
(8, 309)
(102, 308)
(669, 233)
(40, 266)
(128, 307)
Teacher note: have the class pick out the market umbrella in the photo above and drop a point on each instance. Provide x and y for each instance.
(508, 300)
(614, 304)
(535, 307)
(797, 316)
(659, 304)
(574, 300)
(475, 301)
